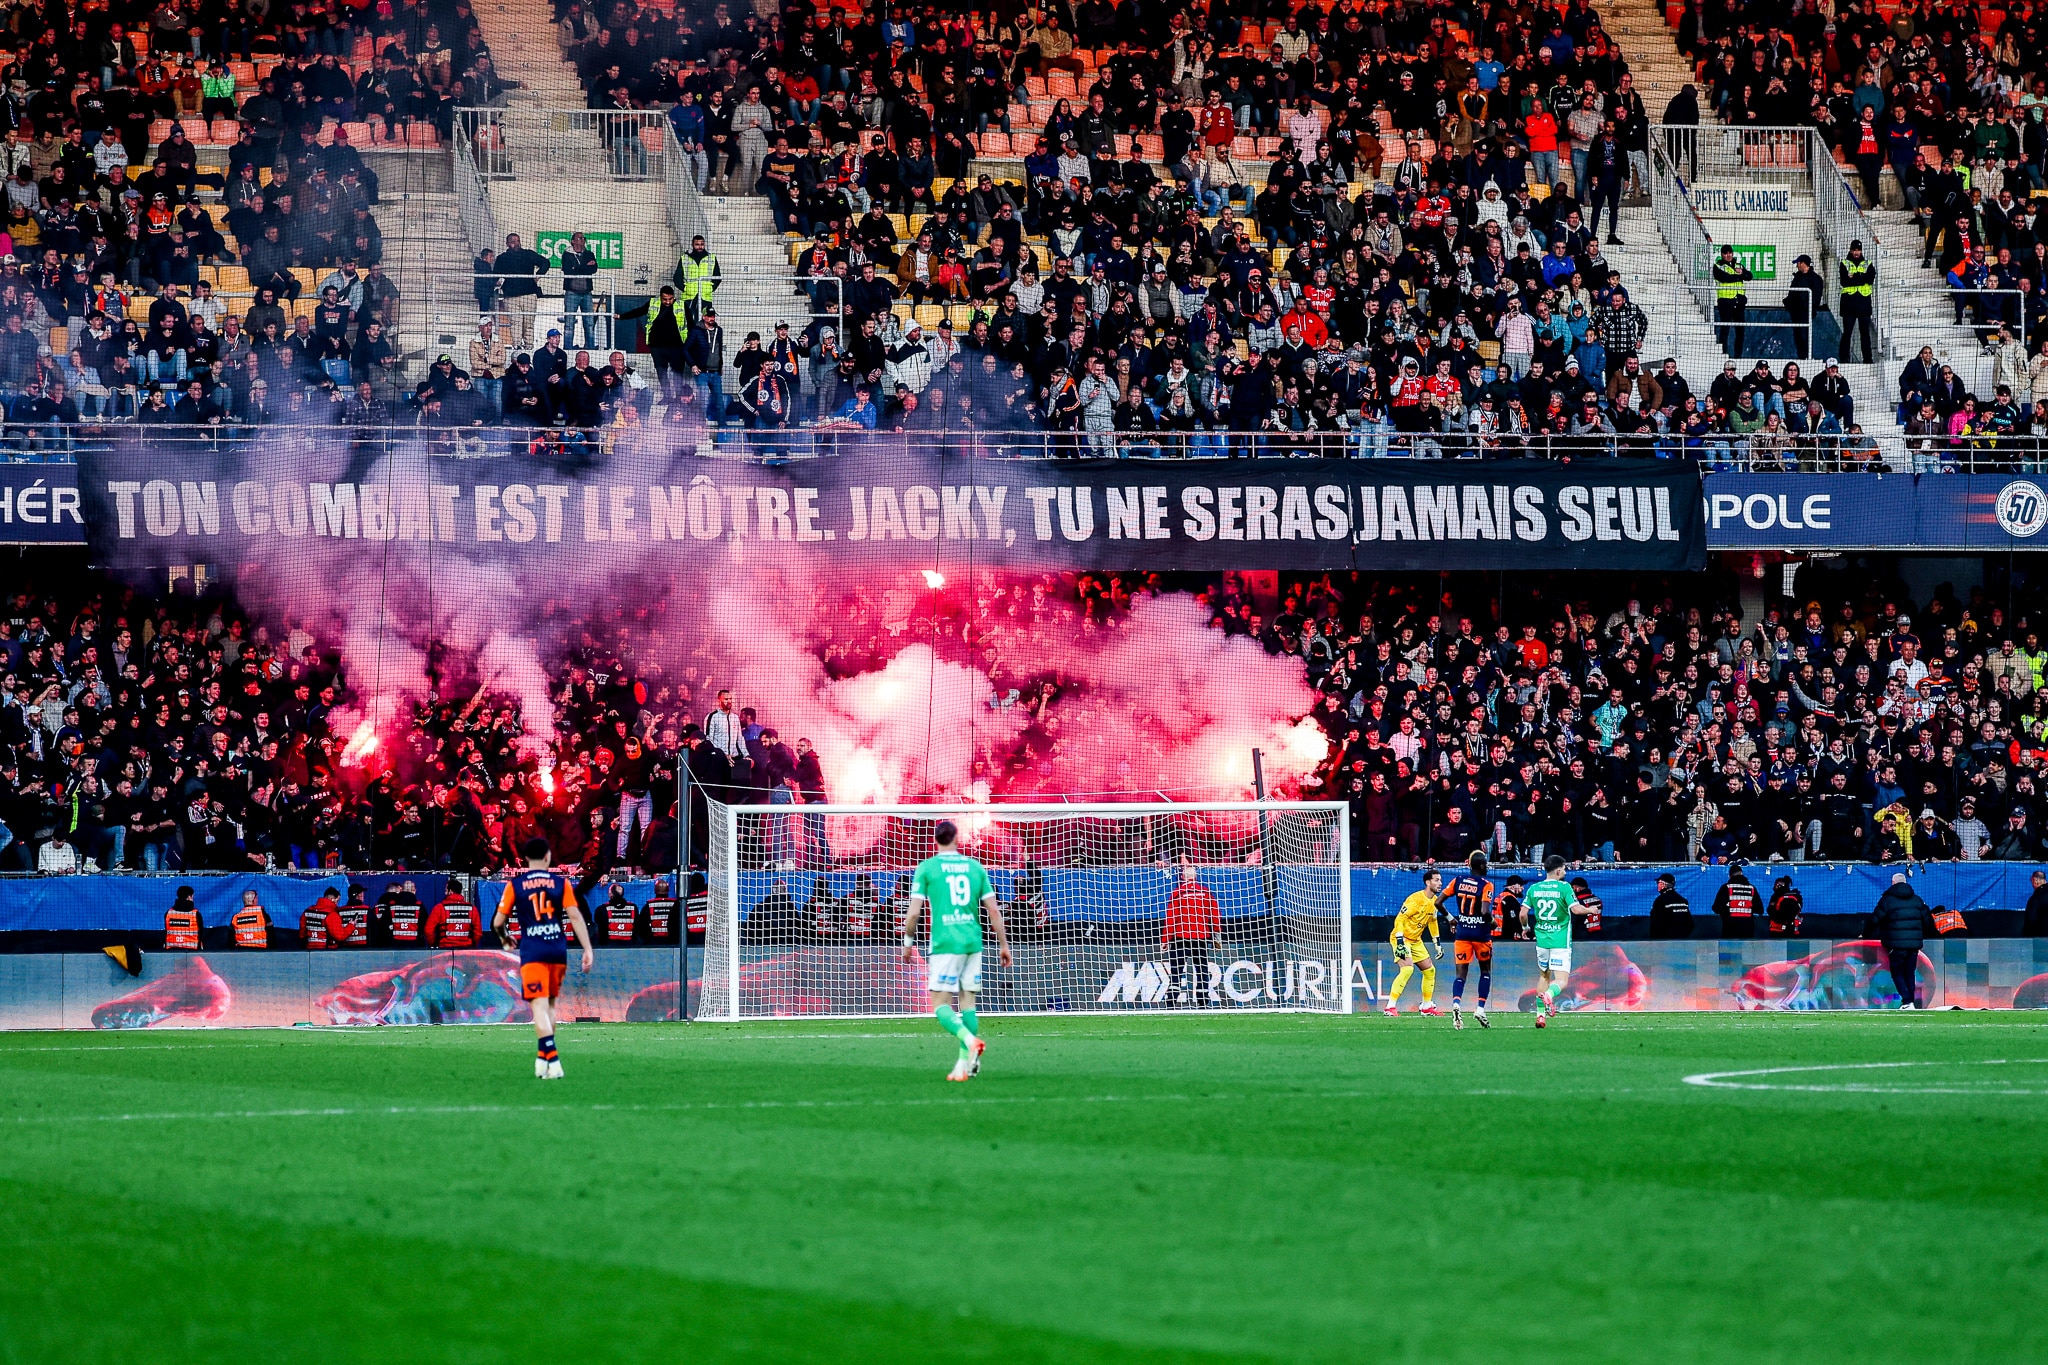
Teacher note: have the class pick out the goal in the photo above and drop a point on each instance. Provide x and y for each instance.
(806, 906)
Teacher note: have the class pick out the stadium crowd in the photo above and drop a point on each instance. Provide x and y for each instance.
(1336, 235)
(189, 236)
(1344, 231)
(1644, 723)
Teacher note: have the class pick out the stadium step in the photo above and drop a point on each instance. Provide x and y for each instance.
(521, 34)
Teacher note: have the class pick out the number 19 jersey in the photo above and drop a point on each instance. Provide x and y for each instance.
(954, 885)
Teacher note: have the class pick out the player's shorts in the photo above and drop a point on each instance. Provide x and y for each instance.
(541, 980)
(1418, 951)
(1557, 961)
(956, 972)
(1471, 950)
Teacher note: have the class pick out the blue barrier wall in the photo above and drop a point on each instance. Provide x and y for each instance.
(137, 904)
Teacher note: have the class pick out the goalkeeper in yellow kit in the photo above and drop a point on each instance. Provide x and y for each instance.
(1418, 913)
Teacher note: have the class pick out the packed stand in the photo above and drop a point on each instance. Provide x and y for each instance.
(1938, 110)
(1643, 722)
(189, 237)
(1171, 231)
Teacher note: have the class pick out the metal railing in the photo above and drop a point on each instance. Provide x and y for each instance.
(527, 143)
(687, 434)
(1840, 219)
(1770, 156)
(472, 195)
(686, 216)
(1684, 232)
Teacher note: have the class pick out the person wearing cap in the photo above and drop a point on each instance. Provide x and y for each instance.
(1805, 300)
(666, 340)
(1670, 912)
(1731, 300)
(1858, 280)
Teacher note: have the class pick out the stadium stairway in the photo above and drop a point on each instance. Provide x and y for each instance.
(521, 34)
(758, 283)
(561, 175)
(423, 247)
(1676, 327)
(1642, 30)
(1927, 319)
(1639, 29)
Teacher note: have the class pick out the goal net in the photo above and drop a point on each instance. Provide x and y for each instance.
(1234, 906)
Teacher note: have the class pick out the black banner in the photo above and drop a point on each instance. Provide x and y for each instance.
(889, 502)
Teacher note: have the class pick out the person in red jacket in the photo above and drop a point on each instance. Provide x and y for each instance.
(319, 925)
(452, 923)
(1194, 921)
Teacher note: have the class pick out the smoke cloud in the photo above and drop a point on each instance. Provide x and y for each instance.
(910, 682)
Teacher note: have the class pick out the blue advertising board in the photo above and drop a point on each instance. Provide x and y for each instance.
(1876, 511)
(39, 505)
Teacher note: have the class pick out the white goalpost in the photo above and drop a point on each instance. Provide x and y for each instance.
(1110, 908)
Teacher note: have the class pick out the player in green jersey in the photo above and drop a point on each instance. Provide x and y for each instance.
(1547, 908)
(956, 888)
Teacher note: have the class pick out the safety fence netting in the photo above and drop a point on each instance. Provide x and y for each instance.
(528, 642)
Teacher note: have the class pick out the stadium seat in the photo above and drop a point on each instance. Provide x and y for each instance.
(421, 135)
(226, 130)
(1152, 147)
(159, 129)
(1269, 147)
(928, 315)
(1123, 144)
(358, 134)
(1245, 149)
(1061, 85)
(995, 143)
(654, 138)
(244, 74)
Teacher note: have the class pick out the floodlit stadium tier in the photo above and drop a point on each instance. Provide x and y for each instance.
(1234, 905)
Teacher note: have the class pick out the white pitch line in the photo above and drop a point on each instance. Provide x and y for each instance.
(1729, 1080)
(410, 1111)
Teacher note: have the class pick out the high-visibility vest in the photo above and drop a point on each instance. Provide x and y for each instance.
(1860, 274)
(313, 926)
(405, 922)
(458, 928)
(252, 927)
(1728, 282)
(1742, 900)
(695, 276)
(618, 921)
(1594, 906)
(357, 918)
(661, 919)
(181, 930)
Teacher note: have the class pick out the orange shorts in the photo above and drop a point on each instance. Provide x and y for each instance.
(1465, 951)
(542, 979)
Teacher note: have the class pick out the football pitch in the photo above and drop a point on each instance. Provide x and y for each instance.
(1203, 1188)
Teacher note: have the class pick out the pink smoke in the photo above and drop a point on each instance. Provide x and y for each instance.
(971, 684)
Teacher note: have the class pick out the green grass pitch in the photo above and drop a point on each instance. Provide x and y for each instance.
(1170, 1189)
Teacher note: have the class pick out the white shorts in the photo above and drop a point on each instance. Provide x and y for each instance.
(955, 972)
(1556, 961)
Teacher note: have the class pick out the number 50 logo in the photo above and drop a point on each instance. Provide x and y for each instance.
(2022, 508)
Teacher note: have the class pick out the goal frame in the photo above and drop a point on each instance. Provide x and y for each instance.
(936, 811)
